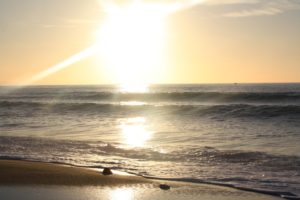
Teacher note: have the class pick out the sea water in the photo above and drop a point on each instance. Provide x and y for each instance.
(246, 135)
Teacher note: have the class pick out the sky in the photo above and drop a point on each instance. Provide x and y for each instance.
(197, 41)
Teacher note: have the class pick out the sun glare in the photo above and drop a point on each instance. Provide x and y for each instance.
(131, 43)
(122, 194)
(134, 132)
(134, 88)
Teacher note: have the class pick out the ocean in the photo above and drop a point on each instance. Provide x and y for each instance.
(246, 135)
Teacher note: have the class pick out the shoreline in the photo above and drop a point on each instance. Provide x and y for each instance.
(33, 174)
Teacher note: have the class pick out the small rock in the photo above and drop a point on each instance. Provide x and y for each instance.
(107, 171)
(164, 187)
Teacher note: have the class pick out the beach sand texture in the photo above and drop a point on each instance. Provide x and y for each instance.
(36, 180)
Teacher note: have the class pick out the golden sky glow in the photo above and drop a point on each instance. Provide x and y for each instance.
(149, 41)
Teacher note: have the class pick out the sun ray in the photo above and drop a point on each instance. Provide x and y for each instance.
(60, 66)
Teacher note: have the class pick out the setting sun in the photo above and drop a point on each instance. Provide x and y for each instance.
(131, 43)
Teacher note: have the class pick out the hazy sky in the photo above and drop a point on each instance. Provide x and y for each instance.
(208, 41)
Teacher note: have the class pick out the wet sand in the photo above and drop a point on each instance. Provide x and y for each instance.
(36, 180)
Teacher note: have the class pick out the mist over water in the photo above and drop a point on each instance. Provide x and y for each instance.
(242, 134)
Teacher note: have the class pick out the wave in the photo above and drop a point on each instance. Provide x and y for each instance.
(11, 146)
(227, 110)
(262, 159)
(170, 96)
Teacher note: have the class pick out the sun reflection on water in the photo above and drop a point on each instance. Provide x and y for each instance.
(132, 103)
(122, 194)
(134, 87)
(134, 132)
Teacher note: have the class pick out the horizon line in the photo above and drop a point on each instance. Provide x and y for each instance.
(115, 84)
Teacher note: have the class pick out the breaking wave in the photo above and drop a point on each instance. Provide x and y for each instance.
(228, 110)
(227, 97)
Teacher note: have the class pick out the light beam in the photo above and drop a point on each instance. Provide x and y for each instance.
(58, 67)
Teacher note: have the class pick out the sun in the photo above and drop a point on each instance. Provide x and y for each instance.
(131, 43)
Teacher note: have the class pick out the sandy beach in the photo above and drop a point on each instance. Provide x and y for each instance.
(37, 173)
(36, 180)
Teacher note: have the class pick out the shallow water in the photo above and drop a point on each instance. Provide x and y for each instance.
(242, 134)
(125, 193)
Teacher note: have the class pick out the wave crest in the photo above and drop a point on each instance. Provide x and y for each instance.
(229, 110)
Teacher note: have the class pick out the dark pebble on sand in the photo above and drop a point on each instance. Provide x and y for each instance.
(107, 171)
(164, 187)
